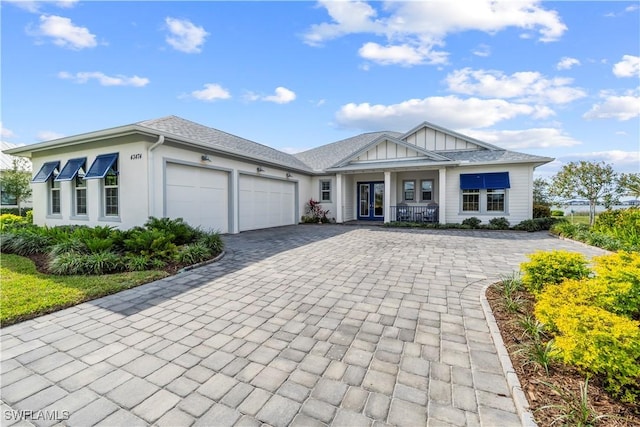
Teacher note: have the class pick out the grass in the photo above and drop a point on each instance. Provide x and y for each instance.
(26, 293)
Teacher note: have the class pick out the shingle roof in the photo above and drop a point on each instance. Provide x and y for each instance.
(222, 141)
(327, 155)
(481, 156)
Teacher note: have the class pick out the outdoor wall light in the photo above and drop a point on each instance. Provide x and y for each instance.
(205, 158)
(260, 169)
(289, 175)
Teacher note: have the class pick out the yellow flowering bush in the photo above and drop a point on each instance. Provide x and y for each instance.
(595, 321)
(551, 268)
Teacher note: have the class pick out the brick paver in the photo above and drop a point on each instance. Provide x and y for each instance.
(306, 325)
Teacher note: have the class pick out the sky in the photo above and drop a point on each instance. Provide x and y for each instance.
(557, 79)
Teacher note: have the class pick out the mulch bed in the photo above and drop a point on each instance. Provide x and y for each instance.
(546, 404)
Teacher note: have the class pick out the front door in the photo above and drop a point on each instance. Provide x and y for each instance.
(371, 201)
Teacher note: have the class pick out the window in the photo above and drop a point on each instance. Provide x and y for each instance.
(111, 193)
(54, 197)
(471, 200)
(105, 167)
(80, 202)
(409, 190)
(325, 190)
(427, 190)
(495, 200)
(6, 199)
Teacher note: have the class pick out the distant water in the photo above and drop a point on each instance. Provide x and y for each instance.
(584, 209)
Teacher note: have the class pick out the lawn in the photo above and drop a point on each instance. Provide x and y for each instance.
(26, 293)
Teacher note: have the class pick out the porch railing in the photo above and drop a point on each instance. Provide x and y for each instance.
(407, 213)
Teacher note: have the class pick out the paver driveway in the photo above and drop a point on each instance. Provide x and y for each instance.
(304, 325)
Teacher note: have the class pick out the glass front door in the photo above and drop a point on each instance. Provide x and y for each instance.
(371, 200)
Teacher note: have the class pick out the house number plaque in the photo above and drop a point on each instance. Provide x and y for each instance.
(136, 156)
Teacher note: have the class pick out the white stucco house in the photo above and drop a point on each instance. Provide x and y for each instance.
(172, 167)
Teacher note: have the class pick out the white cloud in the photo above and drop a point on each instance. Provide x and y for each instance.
(282, 95)
(211, 92)
(48, 135)
(622, 161)
(566, 63)
(185, 36)
(64, 33)
(482, 50)
(525, 138)
(413, 29)
(103, 79)
(386, 55)
(450, 111)
(619, 107)
(525, 86)
(6, 133)
(36, 6)
(628, 67)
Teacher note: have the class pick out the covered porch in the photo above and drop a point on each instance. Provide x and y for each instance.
(392, 195)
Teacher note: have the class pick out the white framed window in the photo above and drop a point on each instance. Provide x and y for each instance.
(426, 190)
(111, 194)
(495, 200)
(409, 191)
(471, 200)
(80, 196)
(105, 168)
(54, 197)
(325, 190)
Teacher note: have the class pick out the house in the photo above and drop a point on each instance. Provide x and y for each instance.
(8, 201)
(172, 167)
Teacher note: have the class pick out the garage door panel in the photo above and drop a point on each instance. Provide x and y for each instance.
(198, 195)
(265, 203)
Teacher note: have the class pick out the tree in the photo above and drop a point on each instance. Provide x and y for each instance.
(541, 192)
(16, 182)
(630, 184)
(593, 181)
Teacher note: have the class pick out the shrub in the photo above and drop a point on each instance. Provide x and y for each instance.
(212, 241)
(499, 223)
(73, 245)
(27, 241)
(622, 272)
(193, 254)
(529, 225)
(96, 263)
(472, 222)
(597, 341)
(541, 211)
(9, 221)
(181, 231)
(137, 262)
(550, 268)
(556, 212)
(622, 224)
(154, 243)
(315, 212)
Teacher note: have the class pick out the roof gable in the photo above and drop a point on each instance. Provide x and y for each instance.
(435, 138)
(386, 147)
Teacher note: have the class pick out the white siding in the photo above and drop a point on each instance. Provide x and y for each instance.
(519, 196)
(387, 150)
(435, 140)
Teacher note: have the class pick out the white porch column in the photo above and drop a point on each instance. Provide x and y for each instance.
(442, 195)
(387, 196)
(339, 201)
(234, 202)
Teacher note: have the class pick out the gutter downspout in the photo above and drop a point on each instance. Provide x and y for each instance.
(151, 191)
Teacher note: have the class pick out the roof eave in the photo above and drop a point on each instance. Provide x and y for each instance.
(28, 150)
(537, 162)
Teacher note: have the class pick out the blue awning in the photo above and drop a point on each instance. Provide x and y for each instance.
(478, 181)
(101, 166)
(70, 170)
(46, 171)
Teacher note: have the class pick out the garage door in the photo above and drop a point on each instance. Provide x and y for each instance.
(198, 195)
(266, 203)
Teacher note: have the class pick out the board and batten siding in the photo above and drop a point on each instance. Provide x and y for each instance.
(387, 150)
(434, 140)
(519, 197)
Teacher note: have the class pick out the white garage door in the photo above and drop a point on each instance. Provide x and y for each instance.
(266, 203)
(198, 195)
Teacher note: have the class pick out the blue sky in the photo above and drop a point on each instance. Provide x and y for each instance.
(559, 79)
